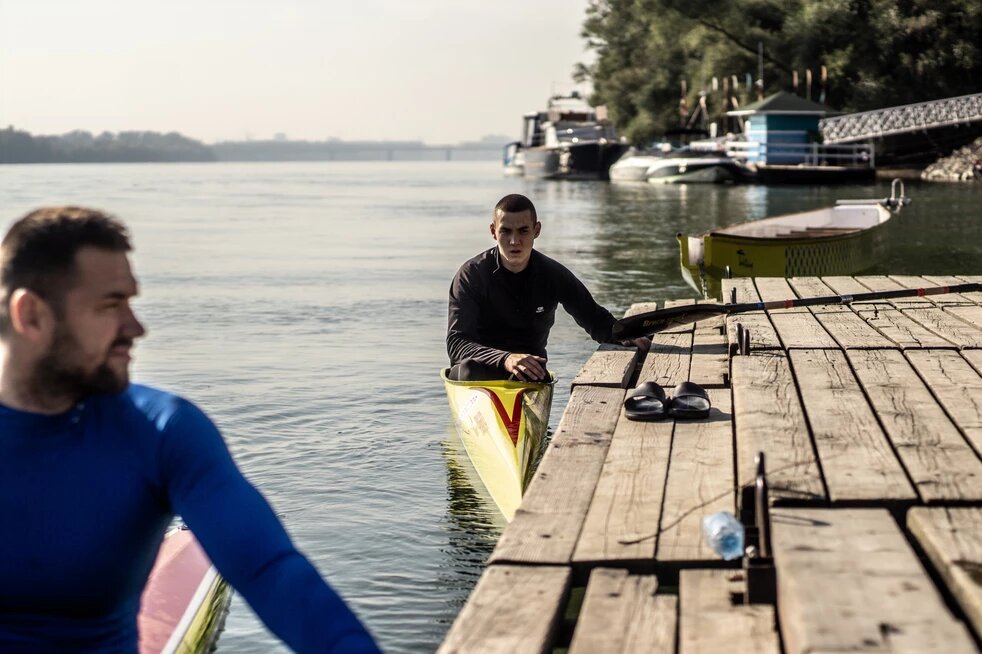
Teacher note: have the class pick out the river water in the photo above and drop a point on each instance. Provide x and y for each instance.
(303, 306)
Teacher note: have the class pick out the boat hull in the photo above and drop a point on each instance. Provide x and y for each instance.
(801, 174)
(185, 601)
(694, 172)
(580, 161)
(502, 425)
(709, 258)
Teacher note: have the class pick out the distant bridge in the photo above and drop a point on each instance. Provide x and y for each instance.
(898, 120)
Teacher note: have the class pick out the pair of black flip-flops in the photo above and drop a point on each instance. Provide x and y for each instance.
(649, 402)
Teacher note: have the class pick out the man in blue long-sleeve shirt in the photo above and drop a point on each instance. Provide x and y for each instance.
(93, 468)
(503, 303)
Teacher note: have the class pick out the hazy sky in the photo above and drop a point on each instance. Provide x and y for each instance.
(438, 70)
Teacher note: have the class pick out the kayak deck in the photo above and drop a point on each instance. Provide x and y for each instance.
(502, 425)
(185, 601)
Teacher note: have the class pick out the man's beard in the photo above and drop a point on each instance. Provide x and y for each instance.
(56, 375)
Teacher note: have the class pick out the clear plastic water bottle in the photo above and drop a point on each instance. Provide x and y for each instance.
(724, 533)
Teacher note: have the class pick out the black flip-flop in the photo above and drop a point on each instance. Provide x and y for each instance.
(646, 402)
(689, 401)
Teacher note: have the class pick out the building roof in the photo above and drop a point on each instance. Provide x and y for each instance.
(782, 103)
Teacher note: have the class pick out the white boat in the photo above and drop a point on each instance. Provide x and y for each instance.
(693, 167)
(674, 166)
(514, 159)
(569, 140)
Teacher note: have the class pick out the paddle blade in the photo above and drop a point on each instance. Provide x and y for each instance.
(651, 322)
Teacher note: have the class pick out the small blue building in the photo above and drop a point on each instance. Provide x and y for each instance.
(784, 125)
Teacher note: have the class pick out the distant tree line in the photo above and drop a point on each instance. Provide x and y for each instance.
(82, 147)
(283, 150)
(655, 59)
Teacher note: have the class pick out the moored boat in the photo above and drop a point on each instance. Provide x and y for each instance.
(502, 425)
(677, 160)
(690, 167)
(513, 160)
(184, 604)
(569, 140)
(840, 240)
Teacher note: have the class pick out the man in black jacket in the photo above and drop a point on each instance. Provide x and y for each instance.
(503, 303)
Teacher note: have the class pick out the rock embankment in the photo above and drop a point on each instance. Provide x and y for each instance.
(962, 165)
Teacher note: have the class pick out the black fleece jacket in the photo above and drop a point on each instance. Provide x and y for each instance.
(494, 312)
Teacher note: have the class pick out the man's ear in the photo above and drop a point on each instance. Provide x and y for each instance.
(536, 229)
(30, 315)
(494, 232)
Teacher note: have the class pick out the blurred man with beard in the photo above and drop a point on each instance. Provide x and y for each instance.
(94, 468)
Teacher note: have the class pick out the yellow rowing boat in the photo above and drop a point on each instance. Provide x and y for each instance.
(502, 425)
(840, 240)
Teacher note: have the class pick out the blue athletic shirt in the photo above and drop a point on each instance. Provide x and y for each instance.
(85, 498)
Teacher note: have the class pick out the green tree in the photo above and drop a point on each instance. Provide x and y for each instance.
(877, 53)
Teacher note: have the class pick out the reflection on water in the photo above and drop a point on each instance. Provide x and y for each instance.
(470, 506)
(473, 528)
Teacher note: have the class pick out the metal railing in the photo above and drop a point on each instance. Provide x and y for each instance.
(907, 118)
(808, 154)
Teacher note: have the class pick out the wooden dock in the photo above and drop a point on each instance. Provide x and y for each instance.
(870, 417)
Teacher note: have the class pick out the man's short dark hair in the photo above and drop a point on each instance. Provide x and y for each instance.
(514, 203)
(38, 252)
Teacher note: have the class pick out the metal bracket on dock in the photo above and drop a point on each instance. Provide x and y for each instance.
(758, 559)
(743, 339)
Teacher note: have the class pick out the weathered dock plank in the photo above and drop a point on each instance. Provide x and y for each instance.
(844, 325)
(700, 478)
(886, 316)
(797, 326)
(926, 312)
(951, 280)
(842, 285)
(512, 609)
(762, 333)
(941, 464)
(913, 281)
(948, 324)
(623, 513)
(884, 283)
(625, 508)
(700, 481)
(970, 313)
(952, 539)
(905, 332)
(547, 524)
(974, 357)
(966, 306)
(641, 307)
(610, 365)
(709, 622)
(622, 613)
(710, 365)
(682, 327)
(667, 362)
(956, 385)
(769, 418)
(856, 458)
(849, 582)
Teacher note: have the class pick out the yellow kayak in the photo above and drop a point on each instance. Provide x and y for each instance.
(502, 425)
